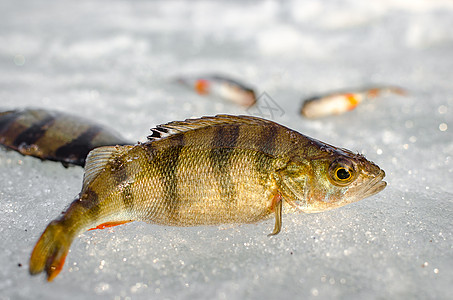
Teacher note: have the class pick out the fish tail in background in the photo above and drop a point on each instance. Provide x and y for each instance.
(50, 252)
(54, 135)
(374, 92)
(398, 91)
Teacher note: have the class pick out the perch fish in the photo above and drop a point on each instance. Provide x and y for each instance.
(222, 87)
(341, 102)
(208, 171)
(53, 135)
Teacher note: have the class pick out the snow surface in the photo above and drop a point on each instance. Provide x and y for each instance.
(114, 61)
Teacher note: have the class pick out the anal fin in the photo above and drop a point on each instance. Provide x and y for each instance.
(109, 224)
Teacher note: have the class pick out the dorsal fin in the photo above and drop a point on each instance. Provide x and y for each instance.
(98, 158)
(165, 130)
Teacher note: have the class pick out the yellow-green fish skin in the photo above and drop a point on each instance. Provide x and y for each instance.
(213, 170)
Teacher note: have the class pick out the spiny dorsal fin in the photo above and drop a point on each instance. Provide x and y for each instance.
(165, 130)
(98, 158)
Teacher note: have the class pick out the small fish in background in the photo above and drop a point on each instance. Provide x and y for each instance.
(341, 102)
(53, 135)
(222, 87)
(208, 171)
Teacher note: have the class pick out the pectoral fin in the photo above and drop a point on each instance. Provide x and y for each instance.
(277, 204)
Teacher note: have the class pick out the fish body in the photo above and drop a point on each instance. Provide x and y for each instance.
(341, 102)
(208, 171)
(222, 87)
(53, 135)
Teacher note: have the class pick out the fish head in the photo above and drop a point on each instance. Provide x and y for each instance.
(329, 178)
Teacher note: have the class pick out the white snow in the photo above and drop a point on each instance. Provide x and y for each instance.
(114, 61)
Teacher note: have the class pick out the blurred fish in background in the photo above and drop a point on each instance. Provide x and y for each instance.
(53, 135)
(221, 87)
(340, 102)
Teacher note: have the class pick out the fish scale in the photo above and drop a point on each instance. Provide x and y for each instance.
(208, 171)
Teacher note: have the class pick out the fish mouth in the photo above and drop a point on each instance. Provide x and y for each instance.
(375, 185)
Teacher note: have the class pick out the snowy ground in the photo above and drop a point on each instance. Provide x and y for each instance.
(113, 61)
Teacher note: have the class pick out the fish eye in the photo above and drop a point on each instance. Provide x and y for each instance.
(341, 172)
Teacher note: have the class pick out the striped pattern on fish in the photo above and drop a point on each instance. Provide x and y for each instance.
(52, 135)
(208, 171)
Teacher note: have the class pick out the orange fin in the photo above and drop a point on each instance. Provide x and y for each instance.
(202, 86)
(352, 101)
(50, 252)
(109, 224)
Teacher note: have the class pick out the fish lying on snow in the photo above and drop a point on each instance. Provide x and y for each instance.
(54, 135)
(341, 102)
(222, 87)
(208, 171)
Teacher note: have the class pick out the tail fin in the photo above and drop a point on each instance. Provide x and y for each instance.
(50, 251)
